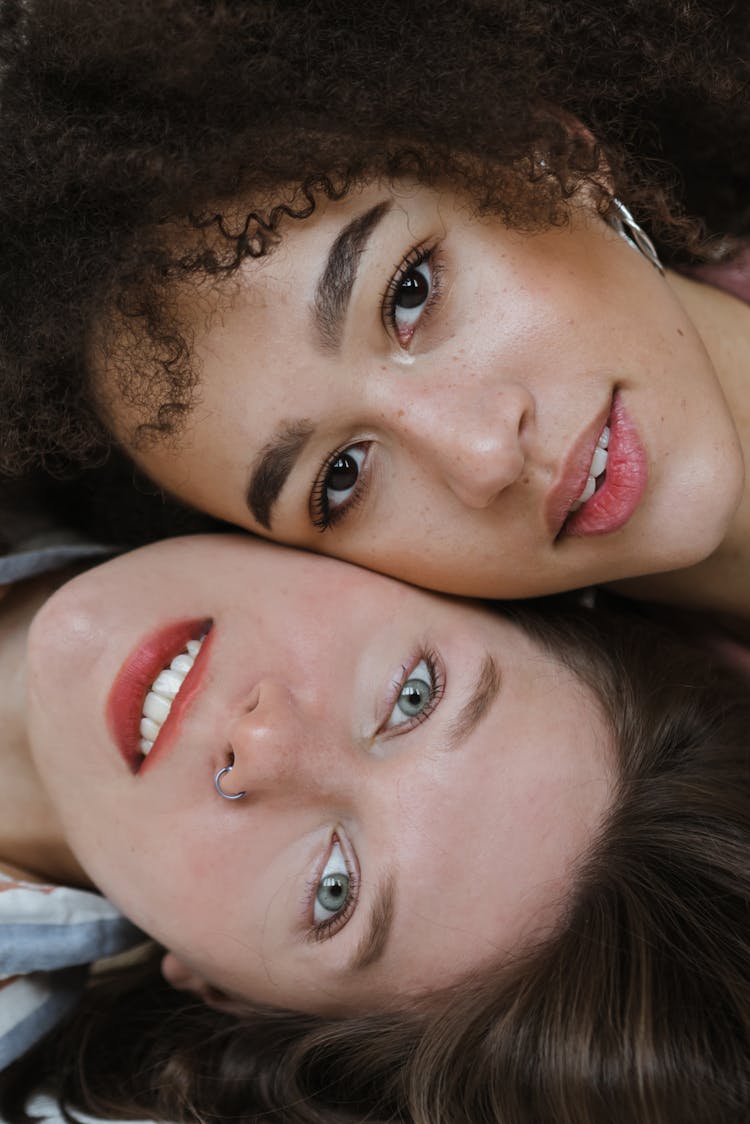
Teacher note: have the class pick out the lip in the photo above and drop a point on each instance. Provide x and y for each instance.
(612, 505)
(125, 701)
(574, 473)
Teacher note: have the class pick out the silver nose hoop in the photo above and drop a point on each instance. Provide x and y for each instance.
(217, 785)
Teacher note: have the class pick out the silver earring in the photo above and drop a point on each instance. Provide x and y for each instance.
(621, 220)
(220, 790)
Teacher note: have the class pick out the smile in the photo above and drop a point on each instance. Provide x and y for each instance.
(615, 481)
(597, 470)
(154, 688)
(164, 690)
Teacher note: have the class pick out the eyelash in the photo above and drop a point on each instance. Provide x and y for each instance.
(322, 515)
(416, 257)
(437, 676)
(324, 930)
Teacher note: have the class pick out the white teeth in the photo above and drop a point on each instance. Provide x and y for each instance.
(598, 462)
(598, 466)
(588, 491)
(149, 729)
(164, 689)
(155, 707)
(167, 683)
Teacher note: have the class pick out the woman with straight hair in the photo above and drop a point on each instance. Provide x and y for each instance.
(403, 857)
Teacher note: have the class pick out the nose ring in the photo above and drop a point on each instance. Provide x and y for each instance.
(220, 790)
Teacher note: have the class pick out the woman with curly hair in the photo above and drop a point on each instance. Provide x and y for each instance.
(410, 859)
(368, 281)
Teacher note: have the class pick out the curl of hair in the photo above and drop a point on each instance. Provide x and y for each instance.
(636, 1008)
(126, 120)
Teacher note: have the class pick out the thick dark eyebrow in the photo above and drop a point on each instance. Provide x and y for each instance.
(334, 288)
(474, 710)
(375, 937)
(273, 465)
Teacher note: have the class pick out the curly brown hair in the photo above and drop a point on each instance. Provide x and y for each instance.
(125, 120)
(636, 1009)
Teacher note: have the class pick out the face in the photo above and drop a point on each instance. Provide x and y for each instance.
(399, 381)
(419, 776)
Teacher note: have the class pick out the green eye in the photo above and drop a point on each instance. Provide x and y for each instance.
(333, 890)
(334, 887)
(415, 696)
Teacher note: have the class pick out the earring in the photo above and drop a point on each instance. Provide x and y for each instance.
(220, 790)
(621, 220)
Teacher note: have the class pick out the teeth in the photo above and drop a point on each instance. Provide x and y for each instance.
(156, 708)
(598, 467)
(150, 729)
(587, 492)
(598, 462)
(167, 683)
(182, 663)
(164, 690)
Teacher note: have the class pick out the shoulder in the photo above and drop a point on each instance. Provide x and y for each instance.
(732, 275)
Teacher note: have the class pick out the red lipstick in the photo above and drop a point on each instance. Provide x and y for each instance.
(125, 702)
(624, 483)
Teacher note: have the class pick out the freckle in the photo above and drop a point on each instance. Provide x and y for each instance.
(680, 332)
(401, 413)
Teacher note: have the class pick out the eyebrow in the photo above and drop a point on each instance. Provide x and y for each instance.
(379, 924)
(475, 709)
(273, 465)
(334, 289)
(275, 462)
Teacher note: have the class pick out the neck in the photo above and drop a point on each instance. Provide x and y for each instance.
(720, 582)
(31, 836)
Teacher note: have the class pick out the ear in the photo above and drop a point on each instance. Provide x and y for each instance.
(182, 977)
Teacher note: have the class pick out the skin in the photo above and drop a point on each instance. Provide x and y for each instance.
(461, 414)
(479, 830)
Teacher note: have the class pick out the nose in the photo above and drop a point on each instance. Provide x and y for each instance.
(475, 441)
(276, 750)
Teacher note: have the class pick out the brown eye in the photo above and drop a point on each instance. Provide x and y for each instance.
(414, 288)
(343, 473)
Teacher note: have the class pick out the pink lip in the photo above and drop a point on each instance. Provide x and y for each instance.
(125, 702)
(624, 484)
(574, 474)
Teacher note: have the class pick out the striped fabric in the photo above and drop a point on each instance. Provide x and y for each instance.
(48, 937)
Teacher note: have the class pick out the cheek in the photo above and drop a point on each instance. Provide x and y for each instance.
(165, 882)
